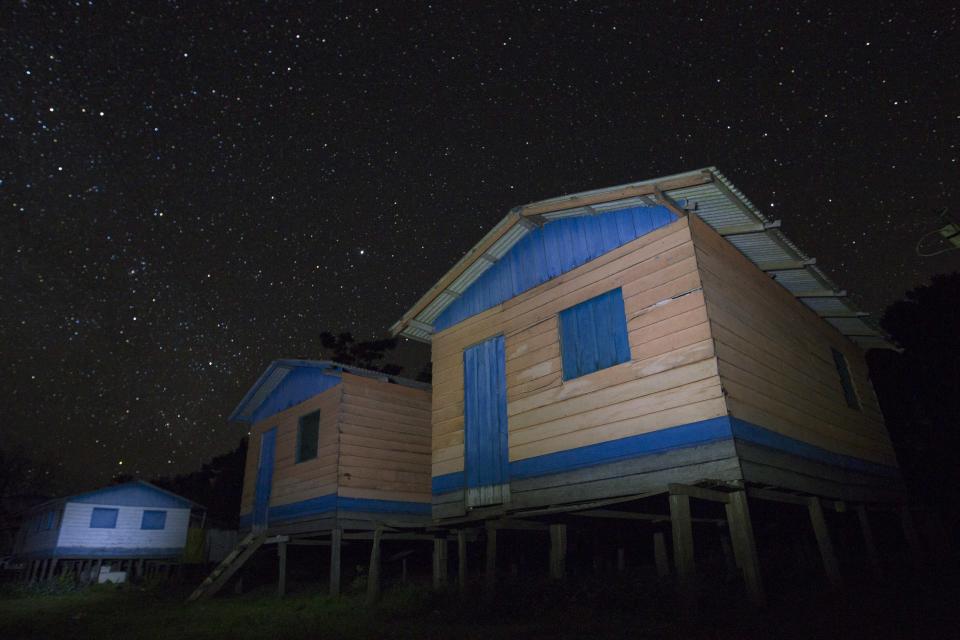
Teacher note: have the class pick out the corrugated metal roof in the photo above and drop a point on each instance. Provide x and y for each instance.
(717, 202)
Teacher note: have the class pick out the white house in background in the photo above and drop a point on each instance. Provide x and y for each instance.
(131, 521)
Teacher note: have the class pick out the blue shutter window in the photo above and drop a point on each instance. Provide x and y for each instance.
(102, 518)
(154, 520)
(593, 335)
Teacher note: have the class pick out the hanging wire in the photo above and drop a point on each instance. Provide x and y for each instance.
(954, 228)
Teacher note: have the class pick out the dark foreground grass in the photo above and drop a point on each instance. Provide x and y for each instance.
(637, 608)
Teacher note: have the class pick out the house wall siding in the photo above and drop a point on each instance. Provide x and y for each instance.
(384, 441)
(775, 361)
(292, 481)
(75, 532)
(671, 378)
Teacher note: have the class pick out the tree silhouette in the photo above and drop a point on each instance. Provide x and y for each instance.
(919, 389)
(343, 348)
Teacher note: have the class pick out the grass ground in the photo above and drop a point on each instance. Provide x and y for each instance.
(634, 608)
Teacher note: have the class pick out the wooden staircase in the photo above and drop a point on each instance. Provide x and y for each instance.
(225, 570)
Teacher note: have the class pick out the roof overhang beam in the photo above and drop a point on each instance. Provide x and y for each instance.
(786, 265)
(820, 293)
(743, 229)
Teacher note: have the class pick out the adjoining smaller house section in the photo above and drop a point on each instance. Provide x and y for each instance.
(336, 453)
(113, 530)
(332, 445)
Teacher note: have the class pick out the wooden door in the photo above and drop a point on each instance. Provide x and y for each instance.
(261, 501)
(486, 462)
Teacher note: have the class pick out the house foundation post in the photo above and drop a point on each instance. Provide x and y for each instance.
(558, 551)
(336, 542)
(373, 576)
(824, 543)
(745, 546)
(440, 550)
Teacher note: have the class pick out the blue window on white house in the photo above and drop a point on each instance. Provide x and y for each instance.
(846, 383)
(103, 518)
(593, 335)
(47, 521)
(154, 520)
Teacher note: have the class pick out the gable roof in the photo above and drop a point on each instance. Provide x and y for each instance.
(304, 379)
(704, 192)
(136, 493)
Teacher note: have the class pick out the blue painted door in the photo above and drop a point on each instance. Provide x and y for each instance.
(261, 501)
(486, 460)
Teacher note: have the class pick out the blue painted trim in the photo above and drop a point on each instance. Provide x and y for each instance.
(754, 434)
(697, 433)
(549, 251)
(104, 552)
(593, 335)
(687, 435)
(447, 483)
(486, 454)
(332, 502)
(264, 484)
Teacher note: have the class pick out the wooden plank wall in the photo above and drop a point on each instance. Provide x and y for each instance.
(384, 441)
(775, 360)
(294, 482)
(672, 377)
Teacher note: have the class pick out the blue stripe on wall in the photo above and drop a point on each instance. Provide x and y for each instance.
(552, 250)
(688, 435)
(764, 437)
(331, 502)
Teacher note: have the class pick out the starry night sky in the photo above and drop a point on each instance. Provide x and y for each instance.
(190, 190)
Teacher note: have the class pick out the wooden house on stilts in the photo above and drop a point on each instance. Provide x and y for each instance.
(336, 452)
(661, 338)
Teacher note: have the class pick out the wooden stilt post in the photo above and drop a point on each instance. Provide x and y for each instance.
(32, 572)
(336, 541)
(440, 549)
(140, 568)
(744, 546)
(373, 576)
(558, 551)
(462, 558)
(95, 570)
(682, 528)
(621, 561)
(660, 554)
(490, 573)
(52, 569)
(824, 543)
(869, 545)
(282, 569)
(913, 540)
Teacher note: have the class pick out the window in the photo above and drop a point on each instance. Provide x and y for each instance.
(593, 335)
(154, 520)
(849, 392)
(308, 435)
(47, 522)
(102, 518)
